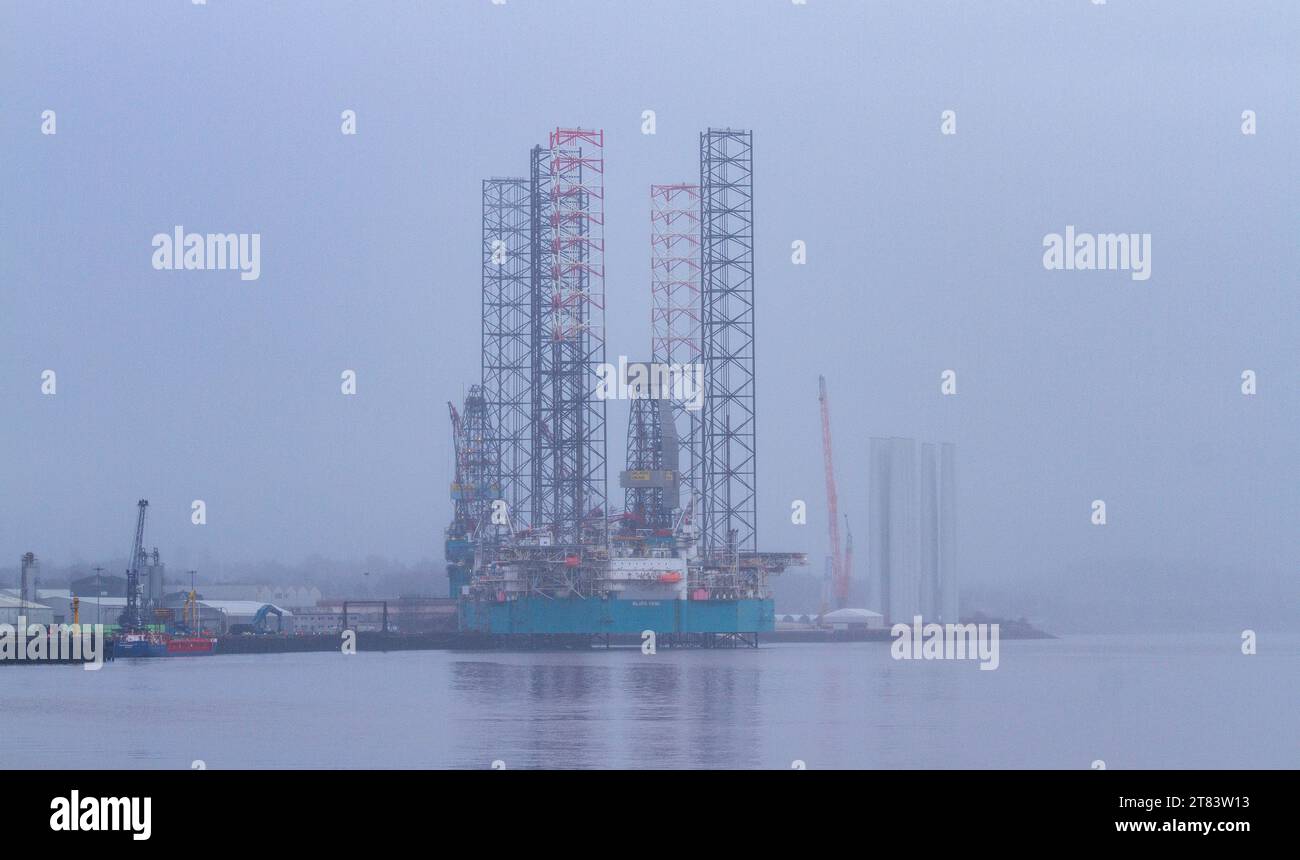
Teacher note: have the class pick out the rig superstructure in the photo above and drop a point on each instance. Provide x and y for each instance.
(534, 549)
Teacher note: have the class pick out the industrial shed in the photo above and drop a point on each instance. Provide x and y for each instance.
(854, 619)
(11, 609)
(246, 613)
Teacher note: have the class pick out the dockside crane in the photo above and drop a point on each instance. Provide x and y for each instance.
(132, 618)
(470, 488)
(838, 572)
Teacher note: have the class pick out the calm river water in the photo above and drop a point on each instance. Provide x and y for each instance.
(1133, 702)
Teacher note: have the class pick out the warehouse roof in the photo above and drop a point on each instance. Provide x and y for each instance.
(92, 601)
(240, 607)
(7, 602)
(41, 593)
(850, 616)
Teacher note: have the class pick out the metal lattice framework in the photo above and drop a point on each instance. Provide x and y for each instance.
(543, 324)
(675, 301)
(728, 473)
(474, 487)
(507, 337)
(675, 340)
(652, 481)
(568, 284)
(132, 617)
(539, 270)
(643, 505)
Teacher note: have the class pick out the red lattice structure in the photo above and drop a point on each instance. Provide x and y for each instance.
(578, 234)
(675, 300)
(568, 226)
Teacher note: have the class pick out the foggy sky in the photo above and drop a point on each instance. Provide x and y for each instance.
(924, 254)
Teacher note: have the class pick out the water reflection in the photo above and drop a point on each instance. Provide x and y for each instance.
(681, 710)
(1064, 703)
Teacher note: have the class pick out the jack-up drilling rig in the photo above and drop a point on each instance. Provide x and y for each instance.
(682, 558)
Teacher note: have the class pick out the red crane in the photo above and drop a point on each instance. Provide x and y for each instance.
(839, 572)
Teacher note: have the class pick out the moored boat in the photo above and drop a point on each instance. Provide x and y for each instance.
(140, 645)
(190, 646)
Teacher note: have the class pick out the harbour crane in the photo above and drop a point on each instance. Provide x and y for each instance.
(132, 618)
(838, 572)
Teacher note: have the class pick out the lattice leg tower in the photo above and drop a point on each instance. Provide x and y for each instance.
(507, 337)
(568, 218)
(676, 306)
(729, 472)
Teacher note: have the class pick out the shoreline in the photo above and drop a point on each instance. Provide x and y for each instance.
(451, 640)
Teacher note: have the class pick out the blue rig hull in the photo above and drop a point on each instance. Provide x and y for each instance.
(536, 616)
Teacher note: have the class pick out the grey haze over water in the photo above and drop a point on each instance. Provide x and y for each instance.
(924, 254)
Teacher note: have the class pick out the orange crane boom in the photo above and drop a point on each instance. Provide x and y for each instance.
(832, 500)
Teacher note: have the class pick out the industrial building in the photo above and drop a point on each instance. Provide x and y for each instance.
(88, 610)
(287, 596)
(235, 615)
(853, 620)
(406, 614)
(12, 608)
(536, 546)
(218, 616)
(317, 621)
(54, 600)
(99, 585)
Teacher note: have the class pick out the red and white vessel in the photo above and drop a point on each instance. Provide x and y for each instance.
(190, 646)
